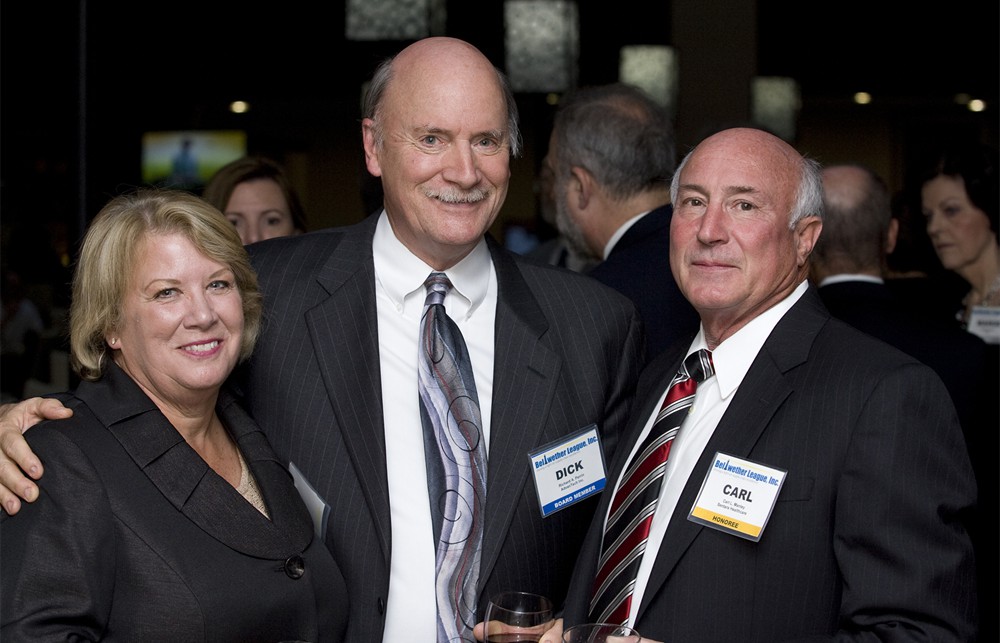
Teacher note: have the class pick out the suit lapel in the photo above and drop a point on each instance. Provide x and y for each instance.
(525, 374)
(287, 512)
(760, 395)
(344, 332)
(187, 481)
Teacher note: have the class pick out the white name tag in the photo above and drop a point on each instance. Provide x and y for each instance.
(737, 496)
(985, 322)
(568, 470)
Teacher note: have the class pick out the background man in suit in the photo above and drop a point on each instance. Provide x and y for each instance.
(556, 250)
(611, 153)
(863, 532)
(849, 265)
(334, 382)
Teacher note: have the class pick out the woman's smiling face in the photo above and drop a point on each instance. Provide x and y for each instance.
(182, 321)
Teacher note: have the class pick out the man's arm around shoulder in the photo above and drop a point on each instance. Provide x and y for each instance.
(17, 461)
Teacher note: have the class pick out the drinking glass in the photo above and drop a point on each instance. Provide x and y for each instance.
(600, 633)
(514, 617)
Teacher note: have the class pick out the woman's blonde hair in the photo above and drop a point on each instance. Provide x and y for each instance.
(109, 254)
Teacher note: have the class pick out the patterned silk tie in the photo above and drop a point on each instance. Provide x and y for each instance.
(631, 510)
(456, 462)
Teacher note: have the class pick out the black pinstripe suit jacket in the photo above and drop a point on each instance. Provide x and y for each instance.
(868, 533)
(567, 355)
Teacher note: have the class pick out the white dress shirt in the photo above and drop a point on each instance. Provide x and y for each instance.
(400, 293)
(620, 232)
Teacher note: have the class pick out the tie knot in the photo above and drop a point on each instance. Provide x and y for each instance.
(438, 285)
(699, 365)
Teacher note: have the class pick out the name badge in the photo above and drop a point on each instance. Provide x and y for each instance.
(737, 496)
(568, 470)
(985, 322)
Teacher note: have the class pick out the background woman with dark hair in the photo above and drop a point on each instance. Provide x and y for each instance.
(959, 193)
(257, 196)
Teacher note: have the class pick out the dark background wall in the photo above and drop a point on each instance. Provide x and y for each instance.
(80, 83)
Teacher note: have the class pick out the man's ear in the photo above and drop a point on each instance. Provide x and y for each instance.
(807, 231)
(371, 152)
(892, 235)
(581, 187)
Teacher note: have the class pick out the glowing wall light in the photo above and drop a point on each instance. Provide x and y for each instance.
(652, 68)
(776, 104)
(542, 41)
(394, 19)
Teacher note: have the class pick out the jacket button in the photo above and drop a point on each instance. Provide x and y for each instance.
(295, 567)
(381, 605)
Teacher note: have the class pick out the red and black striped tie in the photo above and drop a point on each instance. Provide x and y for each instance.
(631, 510)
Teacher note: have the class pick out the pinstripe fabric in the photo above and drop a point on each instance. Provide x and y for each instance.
(866, 538)
(456, 461)
(567, 355)
(633, 506)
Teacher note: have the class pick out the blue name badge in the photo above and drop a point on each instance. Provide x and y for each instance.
(568, 470)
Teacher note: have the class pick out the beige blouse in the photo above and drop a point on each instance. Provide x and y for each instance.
(248, 487)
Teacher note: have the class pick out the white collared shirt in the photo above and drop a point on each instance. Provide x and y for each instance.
(399, 291)
(620, 232)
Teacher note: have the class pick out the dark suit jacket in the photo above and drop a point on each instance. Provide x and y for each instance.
(135, 538)
(970, 370)
(567, 356)
(959, 357)
(867, 533)
(639, 268)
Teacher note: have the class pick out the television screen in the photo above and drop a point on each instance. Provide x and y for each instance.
(187, 159)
